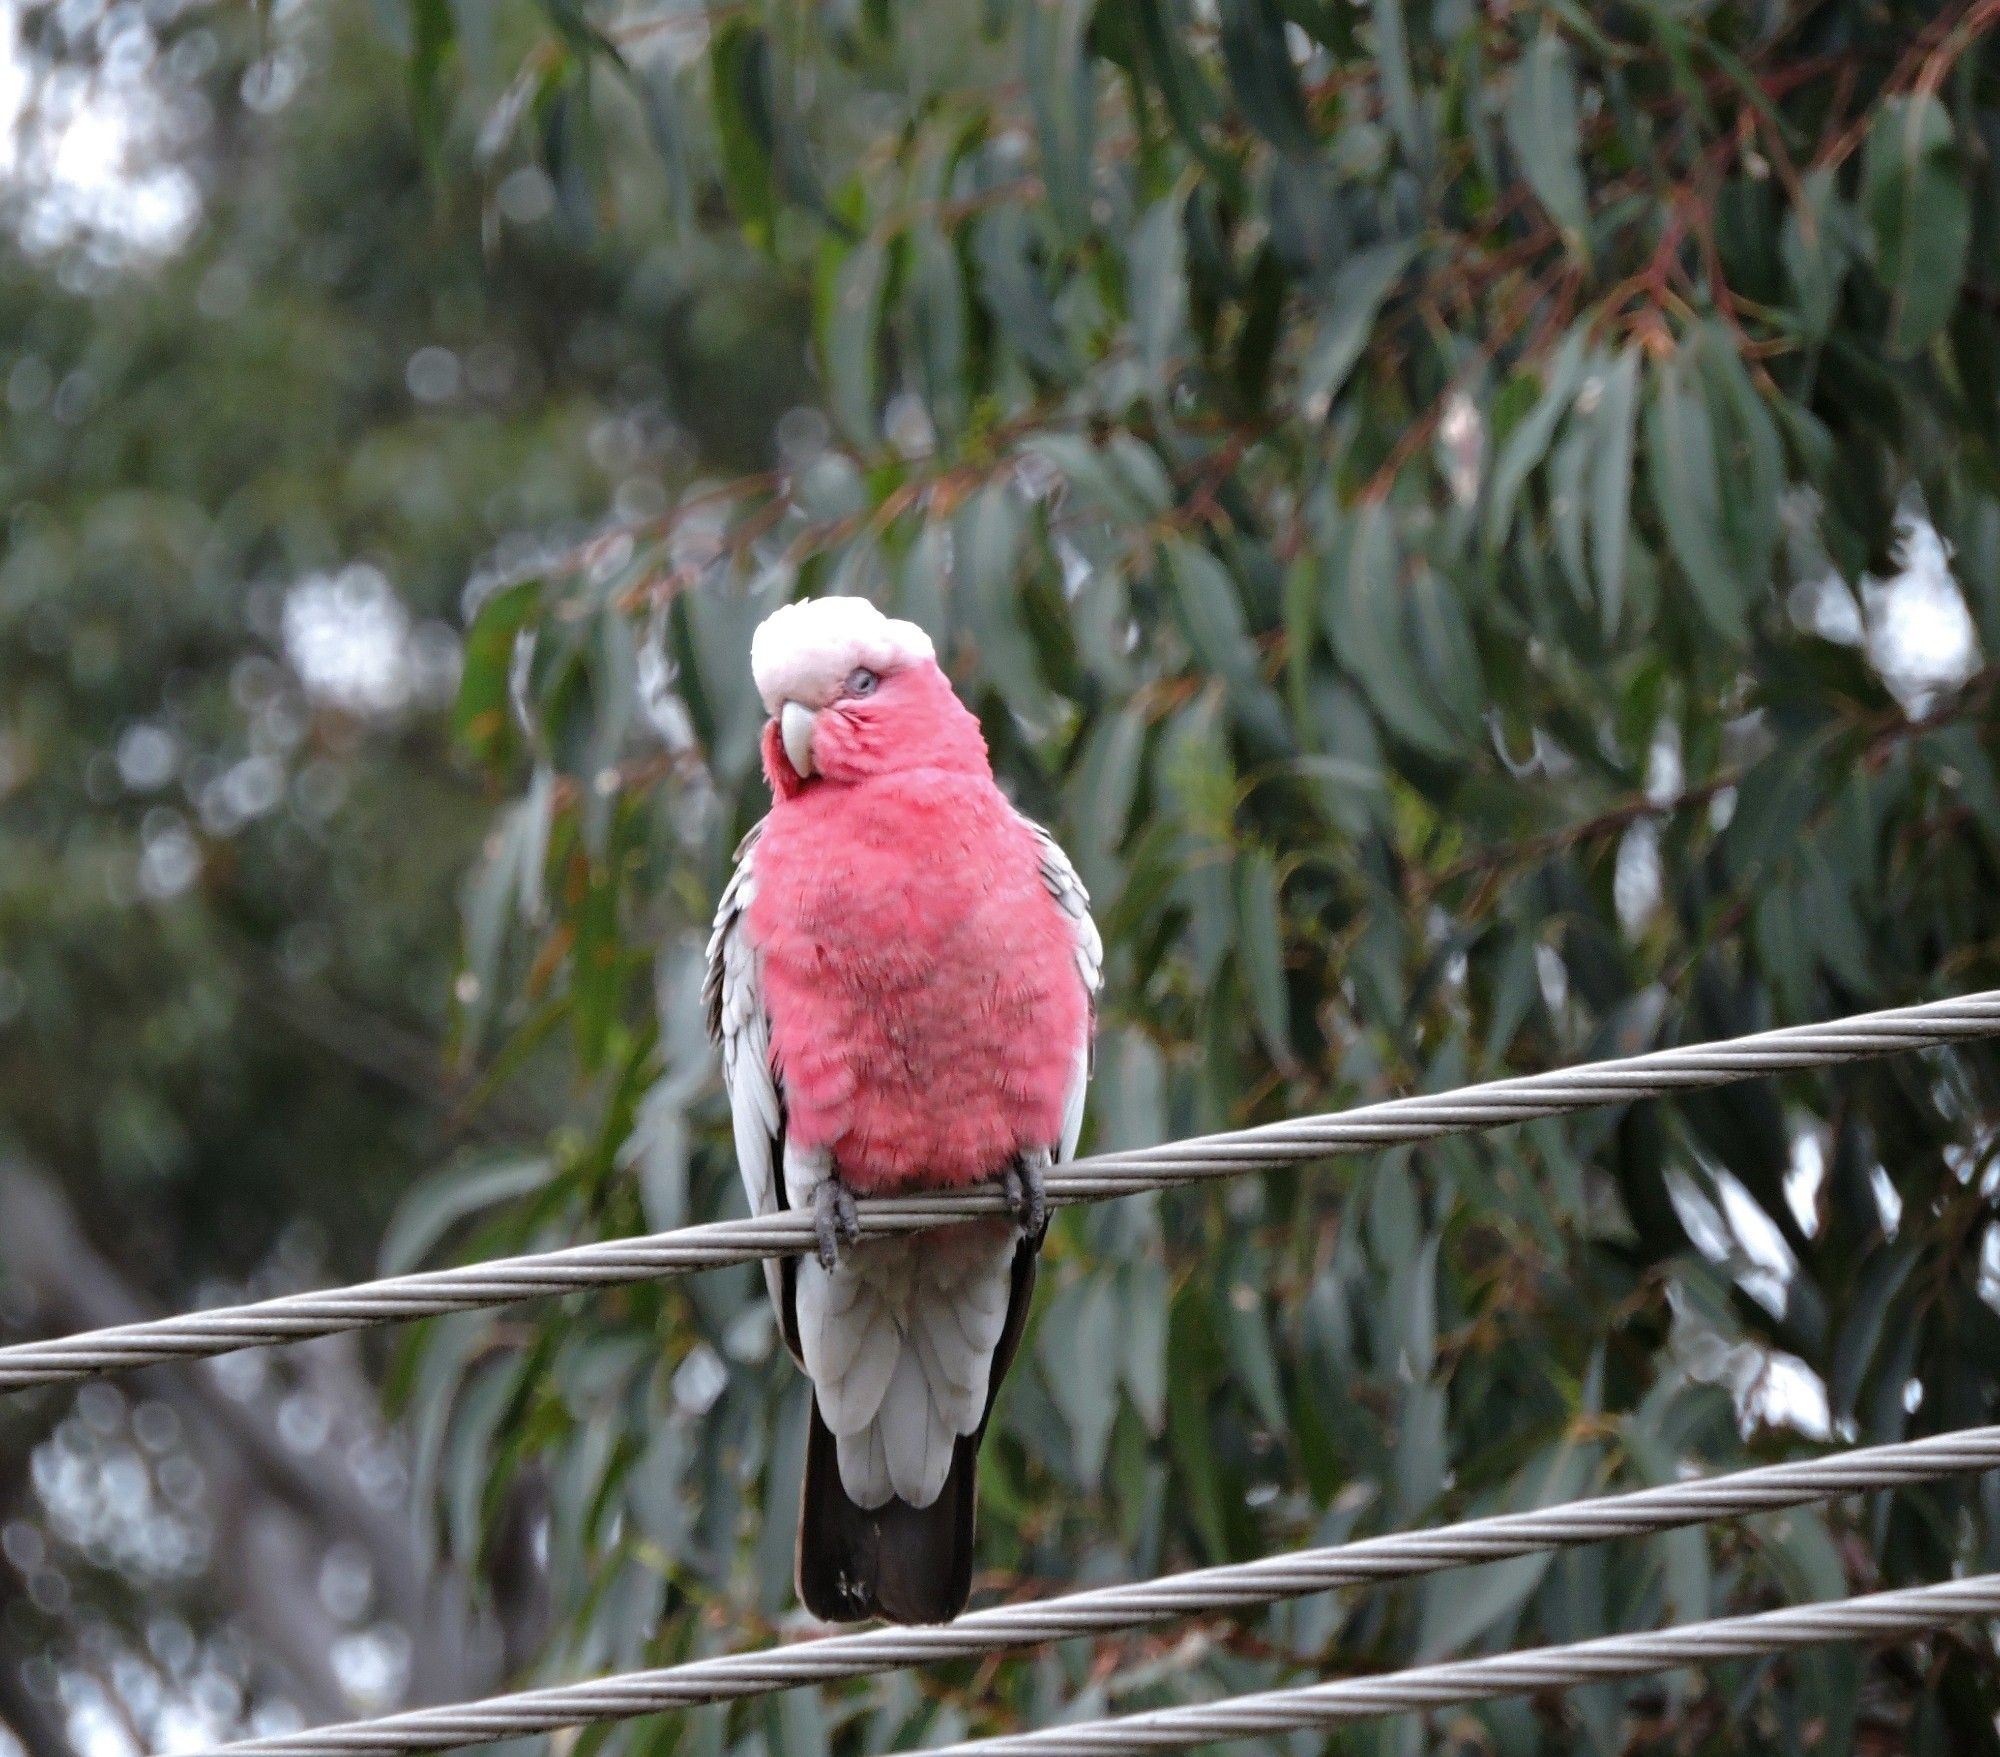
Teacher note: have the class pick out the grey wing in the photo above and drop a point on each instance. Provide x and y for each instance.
(1063, 884)
(733, 995)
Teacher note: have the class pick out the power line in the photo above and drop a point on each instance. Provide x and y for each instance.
(615, 1262)
(1879, 1616)
(1110, 1609)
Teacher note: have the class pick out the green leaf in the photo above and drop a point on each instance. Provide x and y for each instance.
(1839, 939)
(1399, 96)
(986, 551)
(656, 1491)
(1568, 509)
(433, 43)
(1144, 1361)
(1129, 1094)
(799, 1725)
(570, 142)
(1261, 73)
(1407, 1343)
(1444, 644)
(472, 1440)
(1814, 253)
(1862, 1325)
(1457, 1609)
(1247, 1338)
(1108, 777)
(598, 967)
(1158, 288)
(490, 899)
(1137, 465)
(1542, 128)
(937, 311)
(1366, 630)
(614, 683)
(1750, 460)
(1078, 1344)
(1061, 95)
(1301, 624)
(1163, 30)
(1200, 782)
(1347, 319)
(987, 542)
(1417, 1472)
(1783, 937)
(1090, 478)
(1958, 749)
(739, 83)
(437, 1204)
(656, 87)
(1680, 445)
(1009, 284)
(480, 716)
(1772, 804)
(1966, 1708)
(1210, 610)
(1191, 1430)
(1260, 918)
(1528, 442)
(850, 321)
(1918, 198)
(1613, 428)
(1345, 766)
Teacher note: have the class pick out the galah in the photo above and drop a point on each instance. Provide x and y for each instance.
(902, 980)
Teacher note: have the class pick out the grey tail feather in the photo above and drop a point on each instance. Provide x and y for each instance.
(906, 1564)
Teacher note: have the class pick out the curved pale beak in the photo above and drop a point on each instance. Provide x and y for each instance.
(795, 729)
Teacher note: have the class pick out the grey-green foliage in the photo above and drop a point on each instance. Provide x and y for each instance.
(228, 911)
(1382, 475)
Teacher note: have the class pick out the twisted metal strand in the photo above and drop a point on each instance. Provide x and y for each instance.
(1110, 1609)
(614, 1262)
(1880, 1616)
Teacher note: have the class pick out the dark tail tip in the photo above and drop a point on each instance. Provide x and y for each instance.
(902, 1563)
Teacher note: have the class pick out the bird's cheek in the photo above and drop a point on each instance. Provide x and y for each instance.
(840, 744)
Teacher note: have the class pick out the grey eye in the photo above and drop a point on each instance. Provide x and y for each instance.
(861, 681)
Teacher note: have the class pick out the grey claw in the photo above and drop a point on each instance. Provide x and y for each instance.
(1026, 1192)
(836, 1220)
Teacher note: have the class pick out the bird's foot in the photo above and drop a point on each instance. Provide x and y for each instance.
(1026, 1193)
(836, 1220)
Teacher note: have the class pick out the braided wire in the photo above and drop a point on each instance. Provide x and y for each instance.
(1879, 1616)
(614, 1262)
(1106, 1610)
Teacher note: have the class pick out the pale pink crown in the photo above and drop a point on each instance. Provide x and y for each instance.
(804, 652)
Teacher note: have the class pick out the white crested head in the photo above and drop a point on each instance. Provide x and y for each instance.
(804, 652)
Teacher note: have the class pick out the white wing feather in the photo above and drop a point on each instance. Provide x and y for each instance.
(733, 994)
(899, 1338)
(1067, 889)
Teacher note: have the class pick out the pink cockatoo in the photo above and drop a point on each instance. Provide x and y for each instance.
(903, 982)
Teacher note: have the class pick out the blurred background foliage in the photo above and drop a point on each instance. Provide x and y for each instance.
(271, 397)
(1476, 525)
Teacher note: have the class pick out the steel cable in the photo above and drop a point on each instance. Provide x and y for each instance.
(1109, 1609)
(1879, 1616)
(613, 1262)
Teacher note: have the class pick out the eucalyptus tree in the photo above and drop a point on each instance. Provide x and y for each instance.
(1430, 503)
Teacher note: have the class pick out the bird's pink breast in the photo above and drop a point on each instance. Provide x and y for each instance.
(926, 1009)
